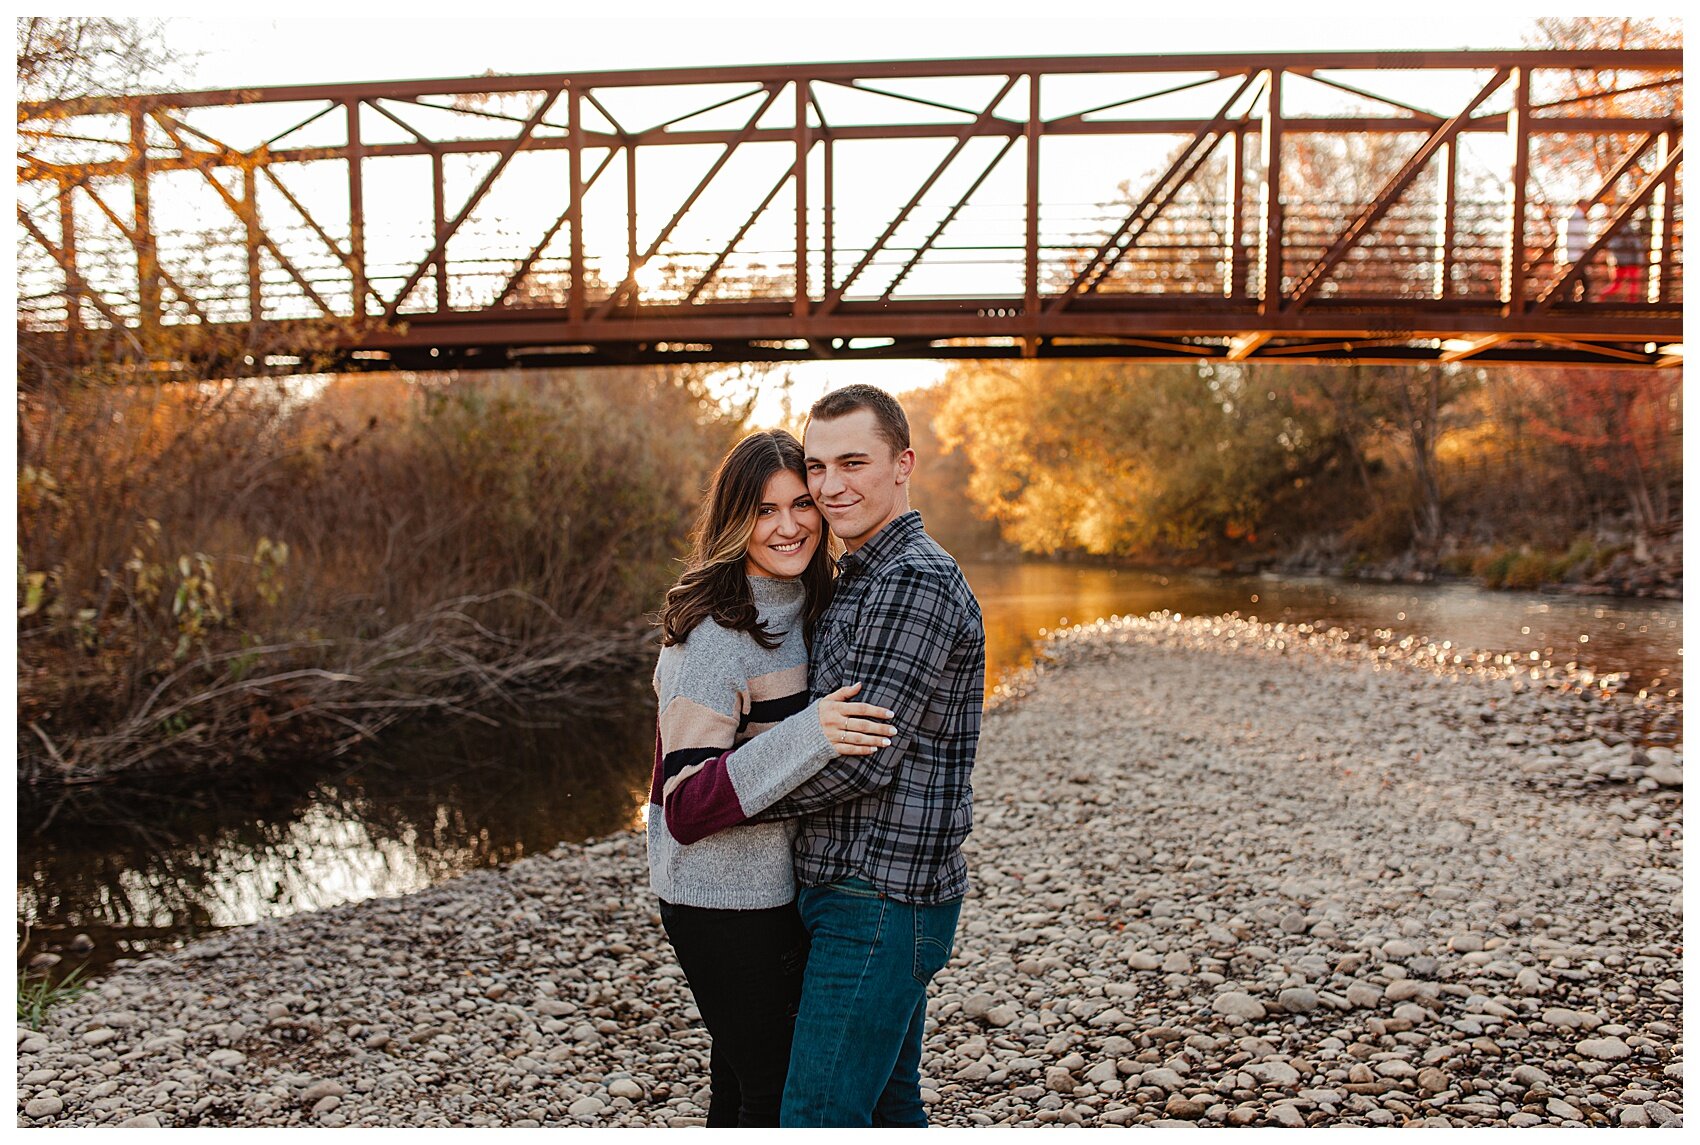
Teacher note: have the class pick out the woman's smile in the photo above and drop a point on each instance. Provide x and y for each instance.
(787, 529)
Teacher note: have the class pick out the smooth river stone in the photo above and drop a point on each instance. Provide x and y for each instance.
(1164, 1078)
(47, 1105)
(1235, 1004)
(1404, 989)
(1273, 1073)
(586, 1108)
(1604, 1049)
(1298, 1000)
(1363, 995)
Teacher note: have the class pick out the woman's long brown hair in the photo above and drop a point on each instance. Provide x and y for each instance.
(715, 585)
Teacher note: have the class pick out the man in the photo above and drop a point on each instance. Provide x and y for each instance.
(878, 855)
(1577, 237)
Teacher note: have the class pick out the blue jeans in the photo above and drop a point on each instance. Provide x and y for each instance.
(856, 1053)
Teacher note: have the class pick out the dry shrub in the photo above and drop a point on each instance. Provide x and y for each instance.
(1386, 529)
(209, 570)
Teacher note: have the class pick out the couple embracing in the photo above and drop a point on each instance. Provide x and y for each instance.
(811, 788)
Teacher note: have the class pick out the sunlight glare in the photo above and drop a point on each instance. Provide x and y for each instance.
(784, 391)
(650, 277)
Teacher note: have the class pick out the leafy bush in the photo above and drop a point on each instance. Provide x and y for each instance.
(1492, 566)
(1530, 570)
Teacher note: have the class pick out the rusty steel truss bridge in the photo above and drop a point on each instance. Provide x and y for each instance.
(1366, 206)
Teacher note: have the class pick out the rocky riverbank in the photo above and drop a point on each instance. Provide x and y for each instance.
(1613, 564)
(1224, 872)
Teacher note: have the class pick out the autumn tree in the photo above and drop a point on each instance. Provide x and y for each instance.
(1123, 459)
(74, 57)
(1624, 427)
(1346, 399)
(1602, 91)
(938, 486)
(1418, 415)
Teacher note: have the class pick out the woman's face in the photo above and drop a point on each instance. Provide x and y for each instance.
(787, 529)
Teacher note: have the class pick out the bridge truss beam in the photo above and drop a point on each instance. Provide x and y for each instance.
(1292, 206)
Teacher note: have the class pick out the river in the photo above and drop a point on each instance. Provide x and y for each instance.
(140, 871)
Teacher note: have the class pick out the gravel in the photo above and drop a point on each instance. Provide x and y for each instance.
(1224, 873)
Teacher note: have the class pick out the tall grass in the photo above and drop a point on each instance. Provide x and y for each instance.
(212, 572)
(39, 993)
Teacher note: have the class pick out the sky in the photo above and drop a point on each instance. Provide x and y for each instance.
(233, 52)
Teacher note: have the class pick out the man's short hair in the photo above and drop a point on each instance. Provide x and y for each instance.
(890, 422)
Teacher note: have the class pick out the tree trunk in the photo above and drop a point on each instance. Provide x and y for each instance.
(1422, 419)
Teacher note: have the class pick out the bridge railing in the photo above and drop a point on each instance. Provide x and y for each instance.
(1191, 259)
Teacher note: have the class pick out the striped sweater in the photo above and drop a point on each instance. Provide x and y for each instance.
(736, 731)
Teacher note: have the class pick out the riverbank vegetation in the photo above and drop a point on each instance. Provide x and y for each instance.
(40, 992)
(1519, 477)
(214, 572)
(210, 573)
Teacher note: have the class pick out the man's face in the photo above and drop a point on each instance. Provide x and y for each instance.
(859, 486)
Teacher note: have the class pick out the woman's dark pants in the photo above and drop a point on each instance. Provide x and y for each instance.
(745, 968)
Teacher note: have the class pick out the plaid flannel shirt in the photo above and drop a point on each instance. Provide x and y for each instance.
(904, 624)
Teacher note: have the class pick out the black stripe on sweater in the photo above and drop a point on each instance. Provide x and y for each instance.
(676, 761)
(774, 711)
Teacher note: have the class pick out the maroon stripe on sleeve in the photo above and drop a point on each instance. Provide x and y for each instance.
(701, 801)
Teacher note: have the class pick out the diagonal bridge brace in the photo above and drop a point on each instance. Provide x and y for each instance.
(530, 260)
(239, 207)
(950, 217)
(347, 260)
(835, 295)
(731, 244)
(135, 240)
(1557, 290)
(1157, 199)
(80, 287)
(507, 153)
(1628, 161)
(749, 129)
(1355, 231)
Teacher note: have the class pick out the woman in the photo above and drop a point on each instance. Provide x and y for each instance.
(736, 731)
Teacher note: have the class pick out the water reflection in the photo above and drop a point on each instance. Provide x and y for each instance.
(1642, 637)
(135, 870)
(139, 870)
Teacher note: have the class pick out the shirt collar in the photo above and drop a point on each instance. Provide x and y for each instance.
(887, 541)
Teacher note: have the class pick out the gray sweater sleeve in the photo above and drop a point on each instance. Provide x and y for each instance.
(709, 785)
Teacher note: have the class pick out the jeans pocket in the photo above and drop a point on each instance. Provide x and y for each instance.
(935, 934)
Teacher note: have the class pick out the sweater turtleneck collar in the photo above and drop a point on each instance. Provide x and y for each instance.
(770, 591)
